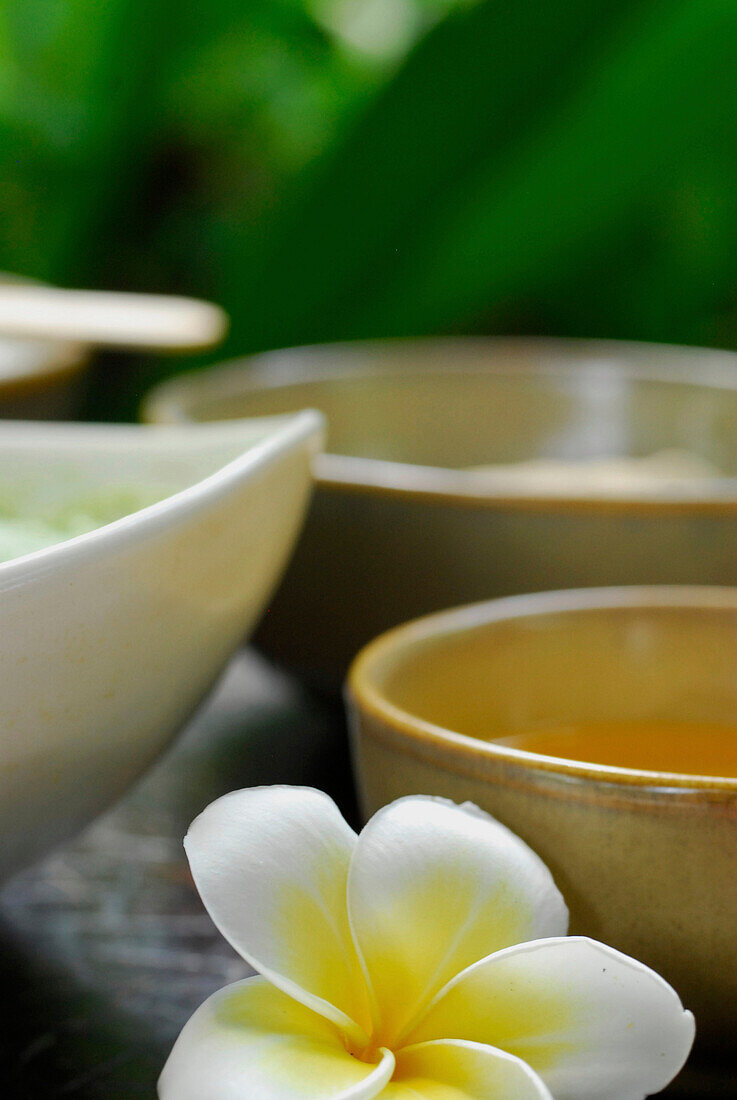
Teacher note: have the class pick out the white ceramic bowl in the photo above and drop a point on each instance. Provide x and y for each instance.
(109, 640)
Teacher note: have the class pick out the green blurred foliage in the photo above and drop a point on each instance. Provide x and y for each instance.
(333, 169)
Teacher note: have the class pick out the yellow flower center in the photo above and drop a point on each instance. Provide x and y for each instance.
(371, 1052)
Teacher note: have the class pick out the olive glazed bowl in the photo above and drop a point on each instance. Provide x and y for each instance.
(110, 639)
(647, 861)
(402, 524)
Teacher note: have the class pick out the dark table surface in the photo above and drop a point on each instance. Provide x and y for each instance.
(105, 949)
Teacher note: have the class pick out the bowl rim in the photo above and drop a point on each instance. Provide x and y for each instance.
(282, 434)
(367, 696)
(170, 402)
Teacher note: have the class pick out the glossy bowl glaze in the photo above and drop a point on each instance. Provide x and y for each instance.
(110, 639)
(399, 526)
(647, 861)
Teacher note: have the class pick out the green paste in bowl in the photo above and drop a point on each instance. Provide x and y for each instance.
(24, 530)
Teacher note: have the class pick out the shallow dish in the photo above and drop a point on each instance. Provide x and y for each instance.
(110, 639)
(399, 526)
(40, 379)
(646, 860)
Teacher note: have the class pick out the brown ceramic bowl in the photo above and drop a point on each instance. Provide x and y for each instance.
(647, 861)
(398, 527)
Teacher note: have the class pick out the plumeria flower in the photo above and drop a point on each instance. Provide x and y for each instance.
(426, 958)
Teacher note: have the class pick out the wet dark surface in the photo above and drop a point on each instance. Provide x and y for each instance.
(105, 949)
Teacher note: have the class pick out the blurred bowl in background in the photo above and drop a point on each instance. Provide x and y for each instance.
(112, 638)
(402, 524)
(645, 859)
(40, 379)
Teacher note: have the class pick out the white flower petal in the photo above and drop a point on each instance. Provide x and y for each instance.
(271, 866)
(251, 1041)
(590, 1021)
(432, 888)
(455, 1070)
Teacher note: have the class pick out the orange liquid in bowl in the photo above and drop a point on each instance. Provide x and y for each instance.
(686, 748)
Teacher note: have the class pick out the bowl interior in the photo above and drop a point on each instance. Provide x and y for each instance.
(516, 665)
(460, 403)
